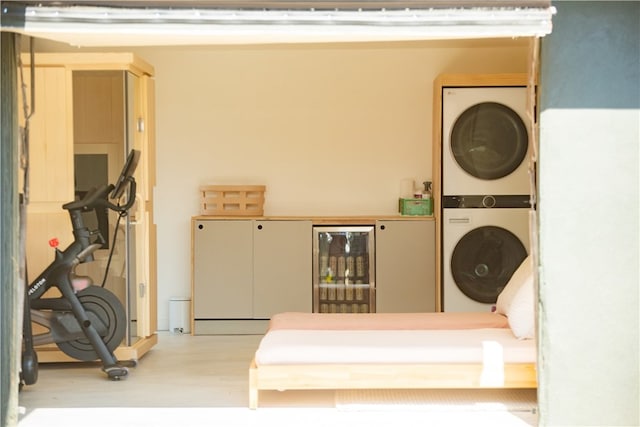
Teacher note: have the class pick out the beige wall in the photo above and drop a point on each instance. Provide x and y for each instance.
(331, 129)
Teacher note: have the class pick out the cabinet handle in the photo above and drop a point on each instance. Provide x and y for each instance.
(260, 227)
(382, 227)
(200, 226)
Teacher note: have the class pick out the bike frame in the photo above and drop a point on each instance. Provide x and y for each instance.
(59, 274)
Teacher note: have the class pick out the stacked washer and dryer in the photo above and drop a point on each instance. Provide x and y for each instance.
(485, 193)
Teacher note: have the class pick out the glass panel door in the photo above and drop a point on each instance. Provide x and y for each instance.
(343, 269)
(483, 261)
(99, 147)
(107, 125)
(136, 220)
(489, 140)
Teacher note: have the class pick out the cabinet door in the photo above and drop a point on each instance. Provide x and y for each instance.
(50, 164)
(405, 266)
(282, 267)
(51, 137)
(98, 107)
(222, 269)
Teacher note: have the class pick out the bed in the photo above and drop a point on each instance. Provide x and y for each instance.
(401, 350)
(390, 350)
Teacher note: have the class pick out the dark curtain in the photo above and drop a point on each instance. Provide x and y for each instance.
(10, 311)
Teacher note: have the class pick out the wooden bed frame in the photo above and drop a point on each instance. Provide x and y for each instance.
(488, 372)
(388, 376)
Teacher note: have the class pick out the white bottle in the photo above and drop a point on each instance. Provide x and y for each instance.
(426, 193)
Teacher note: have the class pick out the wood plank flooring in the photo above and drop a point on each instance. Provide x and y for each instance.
(193, 380)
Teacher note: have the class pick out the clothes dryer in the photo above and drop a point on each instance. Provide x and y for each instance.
(485, 141)
(482, 248)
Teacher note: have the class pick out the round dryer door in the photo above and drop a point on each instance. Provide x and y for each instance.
(489, 140)
(484, 260)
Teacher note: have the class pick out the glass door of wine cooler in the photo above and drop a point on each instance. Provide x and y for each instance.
(343, 269)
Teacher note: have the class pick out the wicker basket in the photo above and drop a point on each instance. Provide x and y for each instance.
(232, 200)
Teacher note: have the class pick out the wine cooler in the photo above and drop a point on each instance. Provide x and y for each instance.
(343, 269)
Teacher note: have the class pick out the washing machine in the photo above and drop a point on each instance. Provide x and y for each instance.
(482, 248)
(485, 193)
(485, 141)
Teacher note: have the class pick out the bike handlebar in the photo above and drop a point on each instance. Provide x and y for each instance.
(90, 200)
(98, 197)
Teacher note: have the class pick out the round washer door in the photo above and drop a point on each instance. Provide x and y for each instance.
(489, 140)
(484, 260)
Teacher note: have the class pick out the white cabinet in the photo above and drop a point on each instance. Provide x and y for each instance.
(281, 267)
(405, 266)
(245, 271)
(223, 270)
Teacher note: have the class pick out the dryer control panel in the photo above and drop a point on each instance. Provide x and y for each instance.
(487, 201)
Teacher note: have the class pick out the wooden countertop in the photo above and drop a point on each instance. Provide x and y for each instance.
(321, 220)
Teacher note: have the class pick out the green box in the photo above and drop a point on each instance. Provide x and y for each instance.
(415, 206)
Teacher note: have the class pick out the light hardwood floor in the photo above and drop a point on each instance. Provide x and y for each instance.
(203, 380)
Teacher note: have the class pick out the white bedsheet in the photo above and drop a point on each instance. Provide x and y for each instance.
(287, 347)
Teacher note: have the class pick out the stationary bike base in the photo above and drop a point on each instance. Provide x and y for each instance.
(116, 372)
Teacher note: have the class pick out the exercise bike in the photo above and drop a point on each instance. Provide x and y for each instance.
(87, 322)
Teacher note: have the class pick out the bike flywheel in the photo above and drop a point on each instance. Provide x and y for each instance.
(107, 315)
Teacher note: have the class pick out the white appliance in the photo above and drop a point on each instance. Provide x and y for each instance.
(485, 141)
(485, 192)
(481, 248)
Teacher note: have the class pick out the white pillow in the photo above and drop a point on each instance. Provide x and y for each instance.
(517, 301)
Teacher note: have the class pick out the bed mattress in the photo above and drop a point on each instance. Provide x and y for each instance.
(305, 346)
